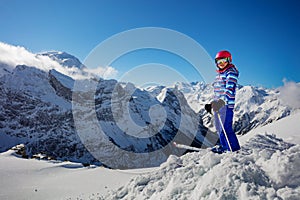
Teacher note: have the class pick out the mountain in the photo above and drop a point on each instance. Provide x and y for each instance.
(255, 106)
(136, 129)
(98, 121)
(33, 113)
(64, 59)
(38, 108)
(11, 56)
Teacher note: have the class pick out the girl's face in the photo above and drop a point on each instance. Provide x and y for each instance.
(222, 63)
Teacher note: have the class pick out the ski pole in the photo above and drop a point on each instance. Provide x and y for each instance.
(224, 131)
(182, 146)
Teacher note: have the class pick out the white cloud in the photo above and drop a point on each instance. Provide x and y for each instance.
(103, 72)
(290, 93)
(17, 55)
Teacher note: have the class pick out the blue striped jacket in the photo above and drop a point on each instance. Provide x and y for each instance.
(225, 85)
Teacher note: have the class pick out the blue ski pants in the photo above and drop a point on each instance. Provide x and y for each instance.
(226, 115)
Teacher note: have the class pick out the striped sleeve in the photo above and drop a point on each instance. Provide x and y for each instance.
(231, 82)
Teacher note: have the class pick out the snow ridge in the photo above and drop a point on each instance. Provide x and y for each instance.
(265, 168)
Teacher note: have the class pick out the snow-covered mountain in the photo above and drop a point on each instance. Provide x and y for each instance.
(255, 106)
(141, 125)
(11, 56)
(38, 108)
(34, 113)
(64, 59)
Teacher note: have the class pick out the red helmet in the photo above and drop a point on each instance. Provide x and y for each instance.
(224, 54)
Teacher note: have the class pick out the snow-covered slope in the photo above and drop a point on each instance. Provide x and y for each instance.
(266, 167)
(49, 180)
(265, 171)
(287, 128)
(32, 82)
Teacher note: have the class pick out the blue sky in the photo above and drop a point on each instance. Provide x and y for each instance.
(263, 36)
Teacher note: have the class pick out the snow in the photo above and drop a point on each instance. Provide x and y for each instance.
(63, 79)
(64, 59)
(34, 179)
(267, 167)
(287, 128)
(265, 171)
(34, 82)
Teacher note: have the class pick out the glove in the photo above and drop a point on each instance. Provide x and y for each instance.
(208, 108)
(217, 105)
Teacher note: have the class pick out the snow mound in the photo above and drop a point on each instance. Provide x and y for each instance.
(265, 168)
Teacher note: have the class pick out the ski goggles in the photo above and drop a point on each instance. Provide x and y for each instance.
(222, 60)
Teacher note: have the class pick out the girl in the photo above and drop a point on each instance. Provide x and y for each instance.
(224, 101)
